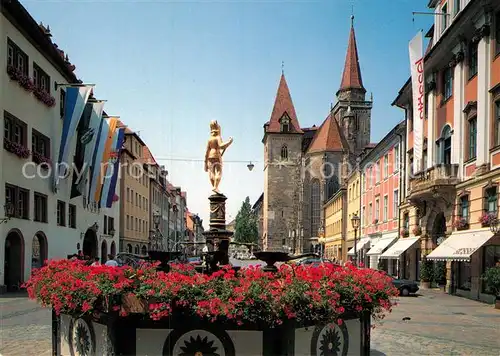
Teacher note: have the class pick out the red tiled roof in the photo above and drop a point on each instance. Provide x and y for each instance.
(283, 104)
(328, 137)
(351, 78)
(147, 156)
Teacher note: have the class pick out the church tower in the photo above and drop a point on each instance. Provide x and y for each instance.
(353, 111)
(282, 173)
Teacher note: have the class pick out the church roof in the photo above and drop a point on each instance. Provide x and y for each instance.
(328, 137)
(283, 104)
(351, 78)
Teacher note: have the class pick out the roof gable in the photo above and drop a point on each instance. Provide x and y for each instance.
(283, 108)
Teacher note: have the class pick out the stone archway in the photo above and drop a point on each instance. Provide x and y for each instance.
(14, 260)
(113, 249)
(438, 228)
(129, 248)
(104, 251)
(90, 244)
(39, 250)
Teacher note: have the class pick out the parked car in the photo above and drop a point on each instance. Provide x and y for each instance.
(405, 286)
(194, 260)
(315, 261)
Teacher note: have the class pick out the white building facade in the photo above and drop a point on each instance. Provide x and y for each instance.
(39, 224)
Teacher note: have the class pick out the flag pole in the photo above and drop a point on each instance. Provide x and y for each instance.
(57, 85)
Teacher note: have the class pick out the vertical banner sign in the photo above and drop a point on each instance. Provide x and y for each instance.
(113, 171)
(416, 48)
(95, 167)
(106, 154)
(74, 104)
(90, 139)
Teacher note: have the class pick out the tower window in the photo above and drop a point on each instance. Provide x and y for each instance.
(285, 123)
(284, 152)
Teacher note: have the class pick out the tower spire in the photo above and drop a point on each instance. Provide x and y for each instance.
(351, 77)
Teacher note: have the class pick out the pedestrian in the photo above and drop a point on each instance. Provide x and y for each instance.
(96, 262)
(111, 261)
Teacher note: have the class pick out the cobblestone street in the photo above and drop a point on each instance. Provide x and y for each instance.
(439, 325)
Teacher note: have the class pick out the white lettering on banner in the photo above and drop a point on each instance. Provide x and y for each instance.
(418, 92)
(465, 251)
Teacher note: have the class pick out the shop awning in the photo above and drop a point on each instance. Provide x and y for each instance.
(399, 247)
(382, 244)
(460, 245)
(361, 244)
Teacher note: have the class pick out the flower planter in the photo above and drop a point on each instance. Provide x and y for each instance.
(109, 334)
(425, 285)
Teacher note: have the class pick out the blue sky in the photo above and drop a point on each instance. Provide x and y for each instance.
(169, 67)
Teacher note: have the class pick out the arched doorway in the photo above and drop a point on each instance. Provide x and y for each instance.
(90, 244)
(14, 260)
(129, 248)
(104, 251)
(39, 250)
(136, 249)
(438, 228)
(144, 250)
(113, 249)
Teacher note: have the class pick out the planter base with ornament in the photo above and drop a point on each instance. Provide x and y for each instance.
(109, 334)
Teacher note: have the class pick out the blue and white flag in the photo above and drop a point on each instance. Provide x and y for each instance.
(90, 138)
(95, 167)
(112, 170)
(75, 100)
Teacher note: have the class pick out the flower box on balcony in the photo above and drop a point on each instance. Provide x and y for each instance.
(417, 231)
(461, 223)
(44, 97)
(301, 310)
(17, 75)
(43, 161)
(16, 148)
(487, 218)
(404, 232)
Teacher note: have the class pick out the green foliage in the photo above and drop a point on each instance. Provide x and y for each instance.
(492, 279)
(440, 272)
(426, 270)
(246, 229)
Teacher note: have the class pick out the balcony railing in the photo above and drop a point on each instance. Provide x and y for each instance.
(440, 175)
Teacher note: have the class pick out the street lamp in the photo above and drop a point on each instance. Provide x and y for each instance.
(321, 234)
(355, 220)
(250, 166)
(494, 226)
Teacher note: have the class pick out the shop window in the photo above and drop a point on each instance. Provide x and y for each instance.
(491, 258)
(464, 276)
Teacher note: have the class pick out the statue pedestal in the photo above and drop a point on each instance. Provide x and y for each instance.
(217, 236)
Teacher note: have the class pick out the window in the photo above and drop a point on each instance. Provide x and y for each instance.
(447, 83)
(497, 33)
(424, 159)
(386, 165)
(61, 213)
(128, 194)
(490, 200)
(72, 216)
(490, 259)
(377, 210)
(315, 207)
(136, 199)
(136, 227)
(410, 165)
(284, 152)
(406, 221)
(14, 129)
(464, 207)
(40, 208)
(19, 197)
(444, 146)
(396, 158)
(370, 212)
(40, 144)
(377, 172)
(395, 203)
(409, 117)
(128, 222)
(444, 18)
(456, 7)
(41, 79)
(386, 207)
(497, 123)
(472, 60)
(16, 57)
(62, 102)
(285, 124)
(472, 138)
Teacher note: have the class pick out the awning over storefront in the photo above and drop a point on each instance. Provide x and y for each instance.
(361, 244)
(382, 244)
(460, 245)
(399, 247)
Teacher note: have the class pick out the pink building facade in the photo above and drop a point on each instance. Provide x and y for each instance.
(380, 199)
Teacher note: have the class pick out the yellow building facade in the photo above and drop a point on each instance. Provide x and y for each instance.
(334, 226)
(353, 208)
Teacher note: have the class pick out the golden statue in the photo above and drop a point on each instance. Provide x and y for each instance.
(213, 155)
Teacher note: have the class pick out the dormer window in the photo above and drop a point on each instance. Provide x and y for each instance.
(285, 124)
